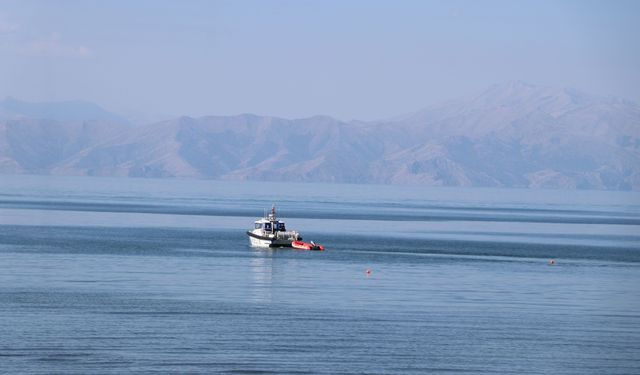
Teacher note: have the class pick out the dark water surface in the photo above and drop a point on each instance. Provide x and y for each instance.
(157, 276)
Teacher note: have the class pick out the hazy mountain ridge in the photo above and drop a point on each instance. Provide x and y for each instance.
(512, 135)
(14, 109)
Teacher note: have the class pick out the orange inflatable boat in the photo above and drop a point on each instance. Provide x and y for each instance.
(307, 246)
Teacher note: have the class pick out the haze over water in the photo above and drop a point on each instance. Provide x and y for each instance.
(105, 275)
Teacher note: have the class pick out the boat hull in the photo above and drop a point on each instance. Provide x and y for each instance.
(267, 241)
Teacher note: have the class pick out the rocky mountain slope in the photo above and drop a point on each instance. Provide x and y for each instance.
(511, 135)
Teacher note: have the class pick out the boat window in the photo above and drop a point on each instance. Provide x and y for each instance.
(281, 227)
(258, 225)
(267, 226)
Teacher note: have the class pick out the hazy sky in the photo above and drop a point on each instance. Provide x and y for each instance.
(349, 59)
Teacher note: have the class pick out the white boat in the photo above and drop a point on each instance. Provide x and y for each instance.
(271, 232)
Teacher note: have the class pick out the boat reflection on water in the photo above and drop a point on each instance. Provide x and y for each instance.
(262, 276)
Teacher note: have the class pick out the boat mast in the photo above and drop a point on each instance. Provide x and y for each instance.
(272, 214)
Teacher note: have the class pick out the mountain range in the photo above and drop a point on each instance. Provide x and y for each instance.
(511, 135)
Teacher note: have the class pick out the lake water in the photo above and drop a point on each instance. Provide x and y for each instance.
(101, 275)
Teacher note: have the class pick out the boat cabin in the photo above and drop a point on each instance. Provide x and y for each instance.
(270, 226)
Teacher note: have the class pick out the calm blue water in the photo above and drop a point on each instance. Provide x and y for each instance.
(156, 276)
